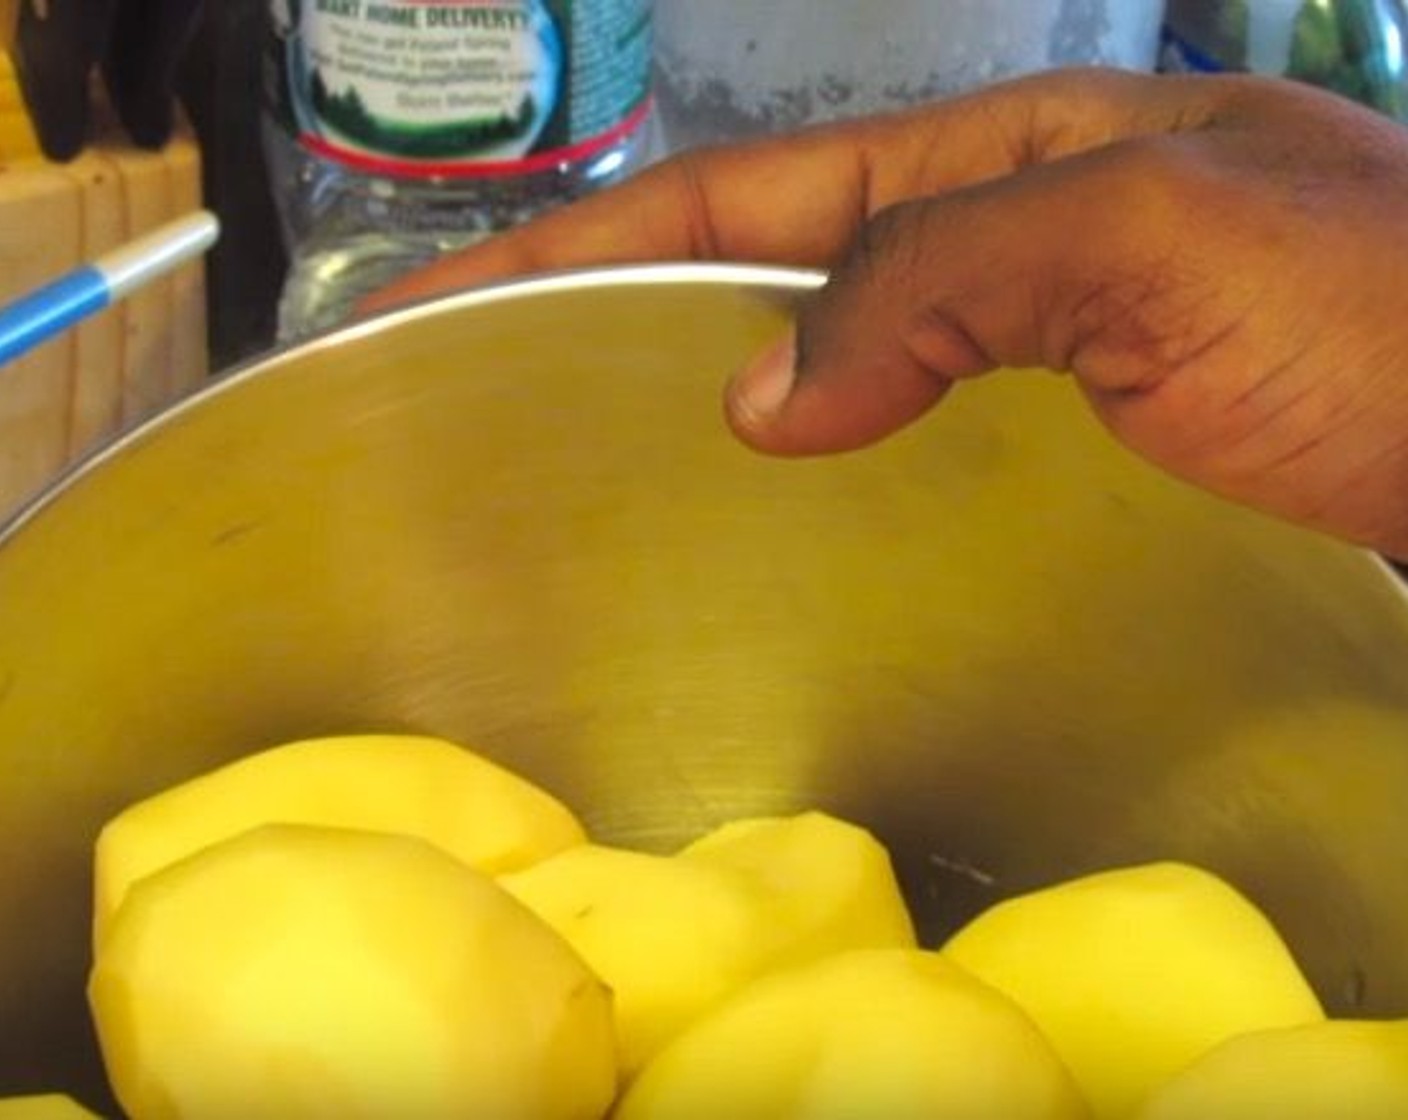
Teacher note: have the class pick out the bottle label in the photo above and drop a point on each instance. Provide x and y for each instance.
(441, 88)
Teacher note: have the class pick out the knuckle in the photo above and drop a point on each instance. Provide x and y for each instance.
(882, 235)
(688, 175)
(888, 251)
(1163, 177)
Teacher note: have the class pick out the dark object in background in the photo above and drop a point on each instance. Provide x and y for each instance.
(137, 44)
(219, 83)
(57, 44)
(146, 46)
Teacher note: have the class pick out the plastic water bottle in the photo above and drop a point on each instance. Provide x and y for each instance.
(1354, 47)
(396, 130)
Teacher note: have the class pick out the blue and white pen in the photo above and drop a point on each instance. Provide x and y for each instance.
(85, 291)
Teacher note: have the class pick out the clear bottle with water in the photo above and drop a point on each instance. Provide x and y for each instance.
(397, 130)
(1354, 47)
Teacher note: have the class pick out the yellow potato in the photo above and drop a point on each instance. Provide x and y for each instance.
(672, 935)
(830, 883)
(44, 1106)
(667, 937)
(296, 971)
(1324, 1071)
(413, 785)
(1134, 973)
(881, 1034)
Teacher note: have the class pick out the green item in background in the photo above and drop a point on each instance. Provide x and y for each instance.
(1353, 47)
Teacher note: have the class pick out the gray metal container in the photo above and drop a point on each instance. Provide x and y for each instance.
(514, 518)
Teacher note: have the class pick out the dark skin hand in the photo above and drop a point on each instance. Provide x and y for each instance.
(1222, 263)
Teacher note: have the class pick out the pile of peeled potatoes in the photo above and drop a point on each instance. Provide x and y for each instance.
(394, 926)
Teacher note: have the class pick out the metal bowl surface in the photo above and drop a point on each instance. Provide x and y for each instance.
(514, 517)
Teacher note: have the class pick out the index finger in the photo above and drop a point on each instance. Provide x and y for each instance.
(799, 199)
(789, 201)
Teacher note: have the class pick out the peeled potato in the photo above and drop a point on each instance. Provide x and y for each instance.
(412, 785)
(1323, 1071)
(673, 935)
(296, 971)
(44, 1106)
(897, 1034)
(1134, 973)
(830, 885)
(669, 938)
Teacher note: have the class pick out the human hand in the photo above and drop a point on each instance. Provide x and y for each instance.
(1222, 263)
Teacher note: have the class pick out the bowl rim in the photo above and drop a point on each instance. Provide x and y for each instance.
(784, 281)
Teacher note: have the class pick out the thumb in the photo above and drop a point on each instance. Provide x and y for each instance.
(1014, 272)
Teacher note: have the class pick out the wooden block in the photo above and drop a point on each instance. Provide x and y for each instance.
(18, 140)
(96, 412)
(40, 223)
(146, 350)
(190, 346)
(122, 366)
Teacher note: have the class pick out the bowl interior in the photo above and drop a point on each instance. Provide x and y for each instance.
(515, 518)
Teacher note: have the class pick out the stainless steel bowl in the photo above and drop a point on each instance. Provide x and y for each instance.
(514, 518)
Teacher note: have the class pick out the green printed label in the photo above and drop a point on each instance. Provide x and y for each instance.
(449, 87)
